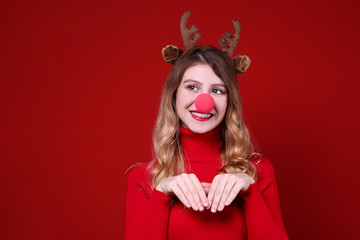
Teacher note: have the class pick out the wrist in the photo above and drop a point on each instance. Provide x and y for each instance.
(160, 189)
(247, 180)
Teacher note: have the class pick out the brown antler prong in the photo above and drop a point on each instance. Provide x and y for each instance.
(186, 33)
(228, 42)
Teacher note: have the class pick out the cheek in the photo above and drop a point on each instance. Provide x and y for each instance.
(180, 101)
(183, 100)
(221, 105)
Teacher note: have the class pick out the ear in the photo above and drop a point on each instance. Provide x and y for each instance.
(242, 63)
(171, 53)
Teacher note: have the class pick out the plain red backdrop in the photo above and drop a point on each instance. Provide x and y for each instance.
(80, 87)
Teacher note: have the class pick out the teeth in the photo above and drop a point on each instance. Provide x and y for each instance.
(202, 115)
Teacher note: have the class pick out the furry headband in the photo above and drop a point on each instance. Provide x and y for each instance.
(227, 43)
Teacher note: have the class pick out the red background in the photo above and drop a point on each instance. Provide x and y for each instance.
(80, 88)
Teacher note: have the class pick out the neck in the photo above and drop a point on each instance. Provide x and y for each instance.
(198, 146)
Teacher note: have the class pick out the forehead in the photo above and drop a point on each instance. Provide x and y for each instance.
(202, 73)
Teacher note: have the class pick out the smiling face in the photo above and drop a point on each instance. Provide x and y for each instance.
(199, 79)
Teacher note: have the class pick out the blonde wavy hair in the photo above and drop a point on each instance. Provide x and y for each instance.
(236, 147)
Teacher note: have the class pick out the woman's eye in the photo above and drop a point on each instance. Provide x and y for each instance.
(191, 87)
(217, 91)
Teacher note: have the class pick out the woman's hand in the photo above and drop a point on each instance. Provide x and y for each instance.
(187, 188)
(225, 187)
(206, 186)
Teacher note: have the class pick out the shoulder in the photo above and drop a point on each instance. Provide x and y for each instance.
(137, 169)
(138, 174)
(263, 164)
(265, 169)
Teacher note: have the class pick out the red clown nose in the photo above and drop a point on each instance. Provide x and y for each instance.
(204, 103)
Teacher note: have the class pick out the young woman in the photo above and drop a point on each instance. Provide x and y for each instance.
(205, 182)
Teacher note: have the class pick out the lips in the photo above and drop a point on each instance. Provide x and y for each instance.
(201, 116)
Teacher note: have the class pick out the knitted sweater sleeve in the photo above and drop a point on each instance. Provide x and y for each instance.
(262, 206)
(146, 211)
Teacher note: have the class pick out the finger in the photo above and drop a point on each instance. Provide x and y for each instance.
(205, 184)
(233, 194)
(187, 191)
(193, 191)
(227, 190)
(180, 195)
(212, 191)
(219, 192)
(206, 187)
(200, 191)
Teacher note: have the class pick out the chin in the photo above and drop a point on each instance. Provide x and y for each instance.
(201, 129)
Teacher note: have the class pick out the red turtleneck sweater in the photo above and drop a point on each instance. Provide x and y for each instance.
(254, 214)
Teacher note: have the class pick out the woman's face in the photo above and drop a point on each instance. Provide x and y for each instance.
(199, 79)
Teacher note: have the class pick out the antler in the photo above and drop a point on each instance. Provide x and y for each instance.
(190, 37)
(228, 42)
(186, 33)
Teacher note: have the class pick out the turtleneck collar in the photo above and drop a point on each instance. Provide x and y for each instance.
(199, 147)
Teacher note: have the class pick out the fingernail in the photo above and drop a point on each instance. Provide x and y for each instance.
(221, 207)
(206, 204)
(201, 208)
(196, 208)
(187, 205)
(213, 210)
(227, 203)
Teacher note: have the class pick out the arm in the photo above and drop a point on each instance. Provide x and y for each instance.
(147, 211)
(262, 206)
(260, 198)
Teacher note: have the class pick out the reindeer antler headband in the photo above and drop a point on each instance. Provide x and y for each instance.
(227, 43)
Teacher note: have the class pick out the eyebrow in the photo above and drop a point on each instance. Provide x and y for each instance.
(195, 81)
